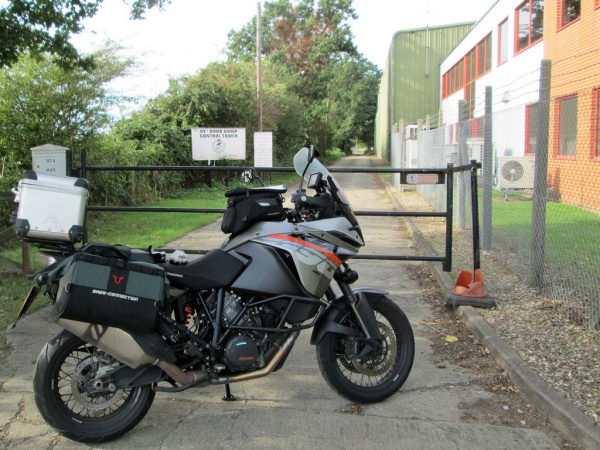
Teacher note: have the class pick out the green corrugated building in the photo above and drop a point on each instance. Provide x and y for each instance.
(410, 86)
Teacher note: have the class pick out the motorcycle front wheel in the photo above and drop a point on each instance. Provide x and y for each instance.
(64, 367)
(381, 373)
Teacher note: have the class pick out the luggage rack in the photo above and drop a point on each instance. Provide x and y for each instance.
(53, 248)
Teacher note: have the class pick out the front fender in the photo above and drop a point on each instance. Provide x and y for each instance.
(327, 324)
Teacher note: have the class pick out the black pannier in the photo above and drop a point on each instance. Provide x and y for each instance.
(109, 291)
(248, 206)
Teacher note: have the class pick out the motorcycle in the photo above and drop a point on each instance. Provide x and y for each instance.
(229, 316)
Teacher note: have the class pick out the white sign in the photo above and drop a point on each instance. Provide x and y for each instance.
(50, 159)
(209, 144)
(263, 149)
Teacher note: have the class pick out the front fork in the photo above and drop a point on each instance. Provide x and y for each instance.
(361, 307)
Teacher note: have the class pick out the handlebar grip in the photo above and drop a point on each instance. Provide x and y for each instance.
(320, 202)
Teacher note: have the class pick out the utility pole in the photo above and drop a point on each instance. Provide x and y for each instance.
(259, 68)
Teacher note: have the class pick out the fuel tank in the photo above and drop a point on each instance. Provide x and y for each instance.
(269, 272)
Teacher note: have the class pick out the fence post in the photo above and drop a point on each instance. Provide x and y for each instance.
(83, 163)
(69, 163)
(84, 175)
(540, 183)
(403, 154)
(396, 156)
(26, 256)
(488, 158)
(447, 265)
(463, 114)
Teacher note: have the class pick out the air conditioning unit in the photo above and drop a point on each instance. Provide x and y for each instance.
(475, 146)
(516, 172)
(412, 154)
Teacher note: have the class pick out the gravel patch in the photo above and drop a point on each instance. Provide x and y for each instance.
(563, 353)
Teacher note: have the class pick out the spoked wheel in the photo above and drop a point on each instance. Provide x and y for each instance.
(381, 371)
(74, 395)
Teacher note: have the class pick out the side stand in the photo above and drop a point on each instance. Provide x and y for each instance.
(228, 396)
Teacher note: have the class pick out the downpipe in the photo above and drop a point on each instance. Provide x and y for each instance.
(268, 369)
(196, 378)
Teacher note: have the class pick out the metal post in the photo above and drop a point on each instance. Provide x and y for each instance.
(447, 266)
(540, 184)
(488, 171)
(475, 218)
(259, 68)
(84, 163)
(84, 175)
(69, 163)
(463, 113)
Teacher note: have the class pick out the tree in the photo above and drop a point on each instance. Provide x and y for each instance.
(41, 102)
(352, 98)
(224, 95)
(312, 39)
(298, 34)
(40, 27)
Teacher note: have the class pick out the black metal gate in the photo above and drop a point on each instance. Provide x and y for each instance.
(411, 176)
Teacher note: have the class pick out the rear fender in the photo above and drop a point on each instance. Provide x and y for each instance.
(327, 324)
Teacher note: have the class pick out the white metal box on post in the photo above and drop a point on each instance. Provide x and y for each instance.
(51, 208)
(50, 159)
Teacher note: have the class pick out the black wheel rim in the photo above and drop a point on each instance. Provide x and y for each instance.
(375, 369)
(74, 372)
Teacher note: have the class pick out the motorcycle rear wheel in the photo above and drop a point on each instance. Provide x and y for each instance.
(376, 377)
(60, 371)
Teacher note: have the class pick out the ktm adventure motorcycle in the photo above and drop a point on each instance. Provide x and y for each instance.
(229, 316)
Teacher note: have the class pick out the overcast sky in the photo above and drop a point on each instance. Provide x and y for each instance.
(189, 34)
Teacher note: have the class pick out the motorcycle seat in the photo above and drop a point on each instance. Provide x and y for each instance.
(214, 270)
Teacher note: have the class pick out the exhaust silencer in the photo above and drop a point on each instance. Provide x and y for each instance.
(114, 341)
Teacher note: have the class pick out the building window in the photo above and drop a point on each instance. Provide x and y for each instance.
(570, 11)
(567, 126)
(503, 42)
(484, 55)
(532, 114)
(472, 66)
(529, 24)
(454, 79)
(471, 76)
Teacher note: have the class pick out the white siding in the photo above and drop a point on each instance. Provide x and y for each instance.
(515, 83)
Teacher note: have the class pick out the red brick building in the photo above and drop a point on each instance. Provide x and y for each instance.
(572, 44)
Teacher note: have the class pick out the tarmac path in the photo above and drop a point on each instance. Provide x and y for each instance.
(293, 408)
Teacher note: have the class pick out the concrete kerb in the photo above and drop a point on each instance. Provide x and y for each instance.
(567, 419)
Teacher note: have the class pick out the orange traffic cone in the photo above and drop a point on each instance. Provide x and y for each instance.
(466, 288)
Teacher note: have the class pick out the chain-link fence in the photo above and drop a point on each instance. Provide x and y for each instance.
(539, 187)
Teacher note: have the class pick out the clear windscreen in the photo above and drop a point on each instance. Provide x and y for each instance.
(301, 160)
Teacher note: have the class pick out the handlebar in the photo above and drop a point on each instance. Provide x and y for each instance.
(307, 206)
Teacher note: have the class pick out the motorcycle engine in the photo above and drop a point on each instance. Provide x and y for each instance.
(245, 350)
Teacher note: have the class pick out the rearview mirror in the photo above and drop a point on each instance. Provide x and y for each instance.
(312, 153)
(248, 176)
